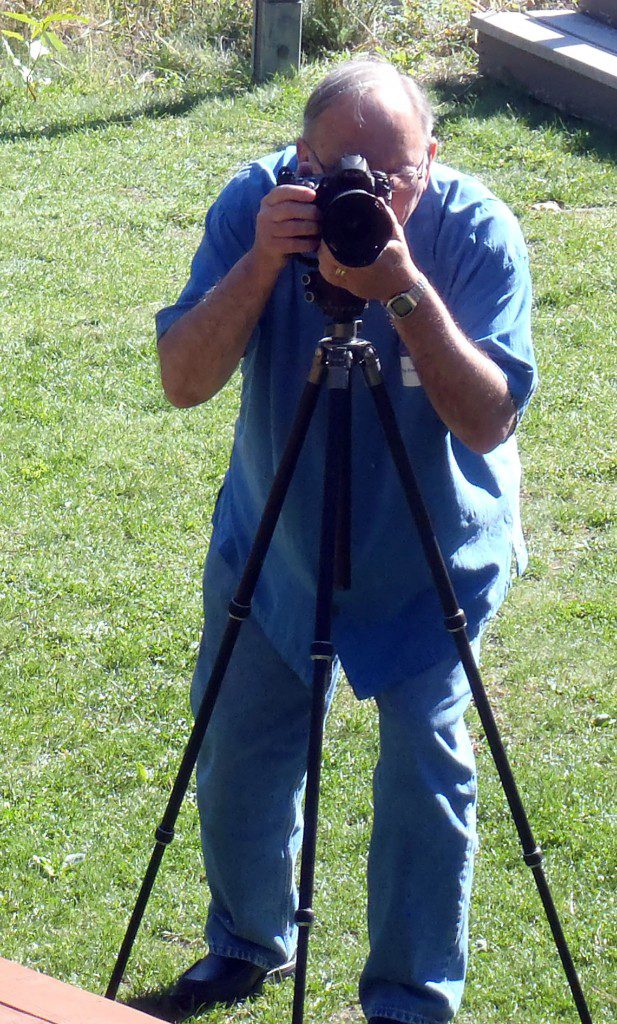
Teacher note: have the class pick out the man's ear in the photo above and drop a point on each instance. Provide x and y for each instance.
(433, 146)
(432, 151)
(305, 164)
(303, 151)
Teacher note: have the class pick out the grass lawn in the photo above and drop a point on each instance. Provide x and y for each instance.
(107, 493)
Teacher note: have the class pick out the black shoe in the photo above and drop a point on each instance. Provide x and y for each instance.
(221, 979)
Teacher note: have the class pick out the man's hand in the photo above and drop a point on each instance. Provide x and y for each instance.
(392, 272)
(201, 349)
(467, 390)
(288, 222)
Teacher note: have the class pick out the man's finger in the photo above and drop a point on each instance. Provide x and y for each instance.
(293, 211)
(295, 228)
(283, 193)
(301, 245)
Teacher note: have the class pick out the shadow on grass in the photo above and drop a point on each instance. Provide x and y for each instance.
(156, 1003)
(479, 97)
(154, 108)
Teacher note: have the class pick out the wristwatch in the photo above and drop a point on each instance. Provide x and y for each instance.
(402, 305)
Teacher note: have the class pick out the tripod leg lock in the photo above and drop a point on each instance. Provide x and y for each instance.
(456, 622)
(322, 650)
(239, 611)
(164, 836)
(533, 859)
(305, 917)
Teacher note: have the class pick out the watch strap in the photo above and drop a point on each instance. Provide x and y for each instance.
(401, 305)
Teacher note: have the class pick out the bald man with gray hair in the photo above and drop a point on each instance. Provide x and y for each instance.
(359, 77)
(448, 311)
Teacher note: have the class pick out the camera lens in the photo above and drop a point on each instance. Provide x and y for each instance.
(356, 228)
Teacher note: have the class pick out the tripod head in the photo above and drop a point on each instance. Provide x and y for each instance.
(337, 303)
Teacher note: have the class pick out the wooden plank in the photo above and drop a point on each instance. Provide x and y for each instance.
(580, 26)
(11, 1016)
(41, 998)
(529, 36)
(603, 10)
(548, 82)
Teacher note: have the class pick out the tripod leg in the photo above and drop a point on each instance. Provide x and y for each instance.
(455, 623)
(342, 576)
(239, 610)
(322, 654)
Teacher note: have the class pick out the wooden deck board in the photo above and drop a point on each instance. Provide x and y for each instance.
(8, 1015)
(603, 10)
(27, 997)
(580, 27)
(555, 66)
(556, 47)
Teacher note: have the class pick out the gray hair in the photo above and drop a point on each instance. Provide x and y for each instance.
(358, 78)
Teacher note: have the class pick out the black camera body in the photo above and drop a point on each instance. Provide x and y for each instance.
(355, 226)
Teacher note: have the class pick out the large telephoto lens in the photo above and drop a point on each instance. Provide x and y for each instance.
(356, 228)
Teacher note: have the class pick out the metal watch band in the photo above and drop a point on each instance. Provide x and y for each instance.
(400, 306)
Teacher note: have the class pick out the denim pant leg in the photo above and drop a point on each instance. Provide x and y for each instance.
(250, 784)
(422, 849)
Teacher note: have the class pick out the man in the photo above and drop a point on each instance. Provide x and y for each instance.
(456, 356)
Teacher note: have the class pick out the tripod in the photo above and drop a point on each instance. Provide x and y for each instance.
(337, 354)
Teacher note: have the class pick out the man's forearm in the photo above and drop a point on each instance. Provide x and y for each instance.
(466, 388)
(201, 350)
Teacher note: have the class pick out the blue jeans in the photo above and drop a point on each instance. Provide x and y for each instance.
(250, 784)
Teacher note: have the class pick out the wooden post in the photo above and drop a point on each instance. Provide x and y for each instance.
(277, 32)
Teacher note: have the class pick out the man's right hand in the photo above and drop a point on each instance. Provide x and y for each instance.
(288, 222)
(202, 348)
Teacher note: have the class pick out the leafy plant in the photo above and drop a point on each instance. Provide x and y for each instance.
(38, 39)
(334, 25)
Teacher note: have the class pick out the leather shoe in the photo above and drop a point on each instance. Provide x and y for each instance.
(221, 979)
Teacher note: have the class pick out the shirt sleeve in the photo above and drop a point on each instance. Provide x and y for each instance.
(229, 234)
(490, 300)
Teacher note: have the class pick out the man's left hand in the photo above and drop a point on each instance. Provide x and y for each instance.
(392, 272)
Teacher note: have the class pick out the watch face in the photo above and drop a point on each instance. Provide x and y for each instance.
(401, 305)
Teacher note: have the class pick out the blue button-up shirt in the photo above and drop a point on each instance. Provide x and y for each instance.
(389, 625)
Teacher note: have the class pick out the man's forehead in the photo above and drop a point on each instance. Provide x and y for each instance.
(385, 116)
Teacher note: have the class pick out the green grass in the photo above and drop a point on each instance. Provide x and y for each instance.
(107, 493)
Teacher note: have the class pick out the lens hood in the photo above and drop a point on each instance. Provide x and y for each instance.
(356, 227)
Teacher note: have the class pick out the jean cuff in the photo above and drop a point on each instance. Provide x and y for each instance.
(398, 1016)
(251, 957)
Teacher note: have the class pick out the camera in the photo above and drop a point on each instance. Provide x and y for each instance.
(355, 226)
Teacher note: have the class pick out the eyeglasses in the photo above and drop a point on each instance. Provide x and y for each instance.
(400, 181)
